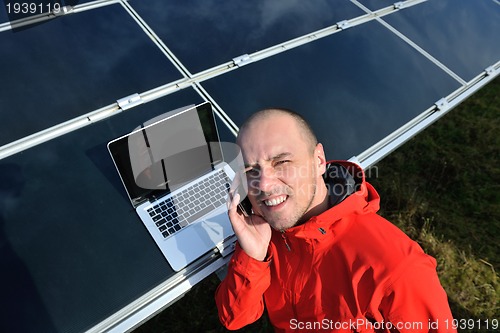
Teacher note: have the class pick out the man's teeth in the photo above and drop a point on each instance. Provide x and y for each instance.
(275, 201)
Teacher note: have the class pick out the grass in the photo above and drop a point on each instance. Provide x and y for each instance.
(442, 189)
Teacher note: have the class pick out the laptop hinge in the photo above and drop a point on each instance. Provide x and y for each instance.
(130, 101)
(226, 247)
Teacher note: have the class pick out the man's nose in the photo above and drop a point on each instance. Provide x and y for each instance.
(267, 179)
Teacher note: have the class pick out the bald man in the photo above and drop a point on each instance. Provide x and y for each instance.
(313, 251)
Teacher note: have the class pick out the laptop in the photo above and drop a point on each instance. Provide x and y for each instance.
(174, 172)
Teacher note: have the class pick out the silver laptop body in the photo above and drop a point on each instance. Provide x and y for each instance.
(175, 175)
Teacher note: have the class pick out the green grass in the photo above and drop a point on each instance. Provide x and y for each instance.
(441, 188)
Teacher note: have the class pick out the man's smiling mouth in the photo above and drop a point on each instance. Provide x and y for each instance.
(275, 201)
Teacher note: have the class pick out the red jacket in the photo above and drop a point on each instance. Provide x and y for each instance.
(347, 270)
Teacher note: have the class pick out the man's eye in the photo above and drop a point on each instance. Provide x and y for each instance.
(282, 162)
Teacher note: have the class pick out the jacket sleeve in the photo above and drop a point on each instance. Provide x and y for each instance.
(239, 297)
(416, 301)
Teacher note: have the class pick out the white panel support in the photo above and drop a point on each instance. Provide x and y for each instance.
(64, 10)
(343, 24)
(399, 5)
(242, 60)
(442, 104)
(57, 130)
(131, 101)
(355, 159)
(492, 71)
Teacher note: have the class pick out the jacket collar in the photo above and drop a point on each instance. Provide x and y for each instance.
(352, 195)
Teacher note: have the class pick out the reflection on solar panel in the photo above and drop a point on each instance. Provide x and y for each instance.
(368, 74)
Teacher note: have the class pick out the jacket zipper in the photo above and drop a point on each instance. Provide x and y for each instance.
(293, 277)
(284, 240)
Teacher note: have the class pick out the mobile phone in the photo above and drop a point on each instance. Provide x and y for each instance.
(244, 206)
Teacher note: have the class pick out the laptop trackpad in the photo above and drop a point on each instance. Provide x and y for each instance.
(216, 227)
(197, 239)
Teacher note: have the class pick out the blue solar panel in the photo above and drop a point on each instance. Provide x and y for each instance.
(66, 206)
(357, 77)
(203, 34)
(466, 44)
(66, 67)
(355, 87)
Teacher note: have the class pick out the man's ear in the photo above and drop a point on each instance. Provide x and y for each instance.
(320, 158)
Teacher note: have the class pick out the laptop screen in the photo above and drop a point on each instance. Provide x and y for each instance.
(164, 154)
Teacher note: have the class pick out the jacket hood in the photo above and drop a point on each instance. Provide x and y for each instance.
(349, 194)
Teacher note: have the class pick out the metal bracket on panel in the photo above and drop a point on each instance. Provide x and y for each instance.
(490, 70)
(399, 5)
(60, 11)
(442, 104)
(343, 24)
(242, 60)
(128, 102)
(227, 246)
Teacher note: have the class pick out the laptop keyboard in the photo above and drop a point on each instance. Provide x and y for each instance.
(185, 207)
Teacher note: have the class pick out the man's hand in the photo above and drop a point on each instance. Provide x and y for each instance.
(253, 232)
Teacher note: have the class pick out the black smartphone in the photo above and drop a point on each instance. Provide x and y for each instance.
(244, 206)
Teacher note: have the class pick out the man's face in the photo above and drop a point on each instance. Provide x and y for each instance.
(283, 170)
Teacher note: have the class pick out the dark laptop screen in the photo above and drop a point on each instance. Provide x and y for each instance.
(165, 154)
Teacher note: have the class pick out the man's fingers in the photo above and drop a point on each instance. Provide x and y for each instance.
(235, 183)
(232, 210)
(232, 202)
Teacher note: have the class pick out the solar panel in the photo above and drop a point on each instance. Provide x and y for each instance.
(368, 74)
(355, 87)
(66, 67)
(204, 34)
(466, 44)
